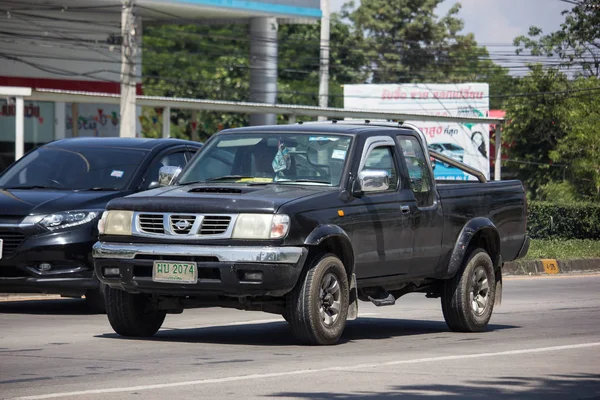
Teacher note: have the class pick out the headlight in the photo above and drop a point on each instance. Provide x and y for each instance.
(115, 222)
(66, 219)
(261, 226)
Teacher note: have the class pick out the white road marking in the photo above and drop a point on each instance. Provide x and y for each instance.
(305, 371)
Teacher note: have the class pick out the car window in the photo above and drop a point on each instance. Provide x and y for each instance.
(176, 159)
(74, 168)
(418, 170)
(381, 158)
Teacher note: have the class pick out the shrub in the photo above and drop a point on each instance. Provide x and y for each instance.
(563, 221)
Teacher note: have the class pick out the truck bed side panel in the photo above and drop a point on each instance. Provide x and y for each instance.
(502, 202)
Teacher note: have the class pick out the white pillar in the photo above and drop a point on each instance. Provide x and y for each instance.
(166, 122)
(324, 64)
(128, 71)
(292, 119)
(498, 162)
(19, 127)
(60, 120)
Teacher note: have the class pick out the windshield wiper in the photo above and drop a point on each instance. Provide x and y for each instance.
(306, 180)
(218, 178)
(100, 189)
(224, 177)
(32, 187)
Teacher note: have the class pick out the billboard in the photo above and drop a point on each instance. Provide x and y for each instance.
(468, 143)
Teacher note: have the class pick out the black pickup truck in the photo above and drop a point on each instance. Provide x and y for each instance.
(304, 220)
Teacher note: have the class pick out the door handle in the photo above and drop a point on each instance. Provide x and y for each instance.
(405, 209)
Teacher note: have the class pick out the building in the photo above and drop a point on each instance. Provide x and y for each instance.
(75, 45)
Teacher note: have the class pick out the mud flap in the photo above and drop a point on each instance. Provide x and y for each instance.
(498, 298)
(353, 303)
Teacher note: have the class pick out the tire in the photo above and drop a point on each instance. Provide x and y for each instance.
(462, 309)
(132, 314)
(96, 299)
(315, 309)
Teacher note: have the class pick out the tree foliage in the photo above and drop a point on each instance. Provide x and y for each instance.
(576, 43)
(394, 41)
(535, 127)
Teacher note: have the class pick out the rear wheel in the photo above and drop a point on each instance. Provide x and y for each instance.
(317, 308)
(132, 314)
(468, 298)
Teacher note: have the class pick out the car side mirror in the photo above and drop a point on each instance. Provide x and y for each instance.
(371, 181)
(167, 175)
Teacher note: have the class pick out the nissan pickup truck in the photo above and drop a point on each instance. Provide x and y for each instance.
(304, 221)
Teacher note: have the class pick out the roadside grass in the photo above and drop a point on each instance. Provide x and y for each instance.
(563, 249)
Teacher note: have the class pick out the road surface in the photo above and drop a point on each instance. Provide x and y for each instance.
(543, 342)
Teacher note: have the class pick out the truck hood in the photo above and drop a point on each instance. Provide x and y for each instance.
(216, 198)
(19, 203)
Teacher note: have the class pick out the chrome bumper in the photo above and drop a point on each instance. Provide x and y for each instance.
(280, 255)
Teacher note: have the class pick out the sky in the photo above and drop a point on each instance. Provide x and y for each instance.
(500, 21)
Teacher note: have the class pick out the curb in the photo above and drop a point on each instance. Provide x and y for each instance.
(552, 267)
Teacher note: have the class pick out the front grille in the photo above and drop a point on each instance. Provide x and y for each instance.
(11, 241)
(182, 224)
(214, 225)
(151, 223)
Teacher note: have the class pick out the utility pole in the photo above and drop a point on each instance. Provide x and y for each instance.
(324, 64)
(128, 75)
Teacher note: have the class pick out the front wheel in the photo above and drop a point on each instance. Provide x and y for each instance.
(132, 314)
(468, 298)
(317, 308)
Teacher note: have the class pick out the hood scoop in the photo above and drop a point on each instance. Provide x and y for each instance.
(216, 190)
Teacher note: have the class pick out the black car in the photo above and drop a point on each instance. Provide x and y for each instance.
(51, 201)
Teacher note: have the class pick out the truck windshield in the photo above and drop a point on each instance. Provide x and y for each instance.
(308, 159)
(85, 168)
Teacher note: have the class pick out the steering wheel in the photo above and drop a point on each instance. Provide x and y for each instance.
(60, 185)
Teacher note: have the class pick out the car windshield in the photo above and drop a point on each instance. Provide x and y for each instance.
(310, 159)
(452, 147)
(85, 168)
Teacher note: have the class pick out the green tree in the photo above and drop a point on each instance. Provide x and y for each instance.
(580, 147)
(194, 61)
(535, 126)
(405, 41)
(576, 43)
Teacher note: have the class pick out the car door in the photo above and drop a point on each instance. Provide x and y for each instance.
(428, 219)
(382, 237)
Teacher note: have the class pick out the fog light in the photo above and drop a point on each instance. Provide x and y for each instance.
(111, 271)
(44, 267)
(253, 276)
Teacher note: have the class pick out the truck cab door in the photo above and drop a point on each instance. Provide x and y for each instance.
(427, 213)
(382, 234)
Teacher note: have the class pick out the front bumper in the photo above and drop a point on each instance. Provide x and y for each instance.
(221, 269)
(524, 248)
(68, 252)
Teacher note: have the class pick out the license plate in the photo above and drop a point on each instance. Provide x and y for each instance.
(174, 272)
(1, 248)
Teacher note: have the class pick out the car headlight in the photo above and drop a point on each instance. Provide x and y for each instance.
(115, 222)
(65, 219)
(261, 226)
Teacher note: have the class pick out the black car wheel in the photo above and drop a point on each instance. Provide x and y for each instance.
(317, 308)
(468, 298)
(132, 314)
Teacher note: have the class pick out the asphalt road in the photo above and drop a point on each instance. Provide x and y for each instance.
(543, 342)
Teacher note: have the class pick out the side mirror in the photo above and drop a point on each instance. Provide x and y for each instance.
(371, 181)
(167, 175)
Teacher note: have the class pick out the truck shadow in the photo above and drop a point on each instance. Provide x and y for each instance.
(280, 334)
(572, 386)
(46, 307)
